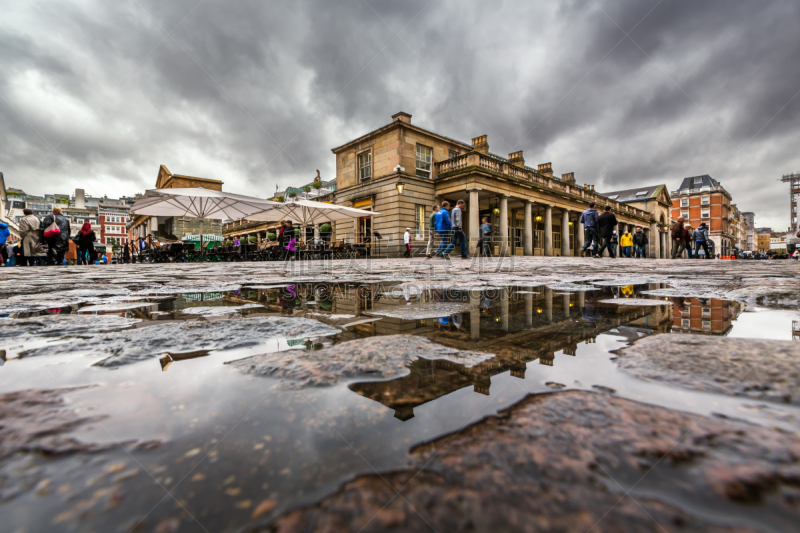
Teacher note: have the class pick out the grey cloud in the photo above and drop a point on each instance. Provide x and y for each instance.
(559, 81)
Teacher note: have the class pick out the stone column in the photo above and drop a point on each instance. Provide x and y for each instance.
(580, 233)
(474, 219)
(504, 251)
(529, 309)
(504, 297)
(655, 244)
(548, 230)
(527, 230)
(581, 298)
(316, 232)
(548, 304)
(474, 315)
(565, 304)
(565, 233)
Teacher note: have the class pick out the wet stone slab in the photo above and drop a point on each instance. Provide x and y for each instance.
(563, 462)
(755, 368)
(377, 357)
(130, 346)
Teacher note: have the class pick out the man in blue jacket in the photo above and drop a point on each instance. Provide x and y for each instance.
(458, 231)
(443, 229)
(589, 221)
(4, 234)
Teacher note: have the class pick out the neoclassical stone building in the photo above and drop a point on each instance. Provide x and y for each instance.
(400, 170)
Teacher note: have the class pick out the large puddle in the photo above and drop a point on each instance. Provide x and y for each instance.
(187, 431)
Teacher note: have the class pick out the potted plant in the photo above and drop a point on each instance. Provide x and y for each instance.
(271, 236)
(281, 198)
(292, 194)
(317, 185)
(306, 188)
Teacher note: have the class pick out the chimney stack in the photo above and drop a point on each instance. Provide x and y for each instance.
(546, 170)
(568, 178)
(80, 198)
(401, 116)
(515, 158)
(480, 144)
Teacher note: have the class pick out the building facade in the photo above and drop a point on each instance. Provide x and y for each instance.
(400, 170)
(702, 199)
(750, 230)
(653, 199)
(113, 217)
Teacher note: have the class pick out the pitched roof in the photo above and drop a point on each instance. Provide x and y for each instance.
(695, 182)
(408, 125)
(633, 195)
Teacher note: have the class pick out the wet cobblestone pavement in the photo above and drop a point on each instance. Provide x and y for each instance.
(524, 394)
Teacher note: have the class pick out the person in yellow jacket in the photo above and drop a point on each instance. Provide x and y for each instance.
(626, 242)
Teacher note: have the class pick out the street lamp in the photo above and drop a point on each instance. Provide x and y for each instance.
(400, 187)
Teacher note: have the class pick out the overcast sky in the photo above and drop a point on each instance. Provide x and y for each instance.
(97, 95)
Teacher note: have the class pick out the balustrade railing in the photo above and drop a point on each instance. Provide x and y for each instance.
(502, 167)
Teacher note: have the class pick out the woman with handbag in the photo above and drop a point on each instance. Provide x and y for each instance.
(56, 235)
(85, 241)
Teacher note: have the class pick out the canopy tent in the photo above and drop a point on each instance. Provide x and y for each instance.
(309, 213)
(198, 203)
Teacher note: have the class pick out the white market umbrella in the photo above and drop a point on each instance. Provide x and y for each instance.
(309, 212)
(198, 203)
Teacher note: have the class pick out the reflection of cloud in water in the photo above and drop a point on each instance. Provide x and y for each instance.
(423, 310)
(218, 310)
(130, 346)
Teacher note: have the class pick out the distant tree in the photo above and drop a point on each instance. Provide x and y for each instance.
(317, 185)
(306, 188)
(292, 194)
(281, 198)
(111, 241)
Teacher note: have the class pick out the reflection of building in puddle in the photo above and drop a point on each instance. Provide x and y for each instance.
(795, 330)
(705, 316)
(518, 331)
(169, 358)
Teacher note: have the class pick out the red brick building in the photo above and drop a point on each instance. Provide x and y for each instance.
(704, 316)
(702, 199)
(113, 218)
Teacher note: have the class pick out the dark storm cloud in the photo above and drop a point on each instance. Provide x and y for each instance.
(256, 94)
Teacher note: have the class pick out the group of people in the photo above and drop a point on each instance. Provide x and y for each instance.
(447, 228)
(601, 236)
(52, 232)
(682, 237)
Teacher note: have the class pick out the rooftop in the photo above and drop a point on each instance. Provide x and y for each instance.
(634, 195)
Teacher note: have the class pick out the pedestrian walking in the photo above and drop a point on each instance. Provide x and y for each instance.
(615, 243)
(701, 240)
(431, 230)
(687, 237)
(677, 236)
(71, 256)
(458, 231)
(290, 239)
(484, 247)
(56, 235)
(443, 230)
(4, 234)
(29, 235)
(640, 242)
(85, 241)
(589, 221)
(626, 242)
(605, 229)
(407, 241)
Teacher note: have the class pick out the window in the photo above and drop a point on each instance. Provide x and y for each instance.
(685, 323)
(452, 154)
(698, 181)
(419, 220)
(705, 213)
(641, 193)
(365, 166)
(685, 214)
(424, 159)
(706, 312)
(614, 197)
(706, 324)
(684, 202)
(705, 200)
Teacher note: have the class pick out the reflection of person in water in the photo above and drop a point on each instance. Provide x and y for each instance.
(626, 291)
(590, 312)
(288, 297)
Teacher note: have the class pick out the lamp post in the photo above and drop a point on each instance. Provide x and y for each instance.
(400, 187)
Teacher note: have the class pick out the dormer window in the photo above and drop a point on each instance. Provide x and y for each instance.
(641, 193)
